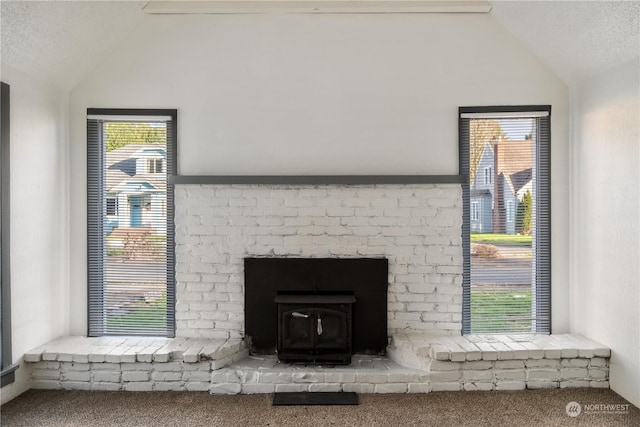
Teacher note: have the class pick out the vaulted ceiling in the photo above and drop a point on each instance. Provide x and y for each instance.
(62, 41)
(577, 39)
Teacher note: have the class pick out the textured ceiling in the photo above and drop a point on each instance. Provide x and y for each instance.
(62, 41)
(577, 39)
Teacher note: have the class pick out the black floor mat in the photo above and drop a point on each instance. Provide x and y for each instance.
(320, 398)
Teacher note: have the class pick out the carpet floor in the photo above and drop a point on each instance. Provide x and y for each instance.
(498, 408)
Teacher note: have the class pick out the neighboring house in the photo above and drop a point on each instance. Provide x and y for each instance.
(482, 190)
(503, 176)
(137, 188)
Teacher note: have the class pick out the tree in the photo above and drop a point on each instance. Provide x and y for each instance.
(523, 216)
(481, 131)
(119, 134)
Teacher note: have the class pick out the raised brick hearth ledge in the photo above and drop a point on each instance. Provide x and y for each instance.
(415, 363)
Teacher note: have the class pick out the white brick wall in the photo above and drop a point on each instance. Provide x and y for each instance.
(266, 375)
(416, 227)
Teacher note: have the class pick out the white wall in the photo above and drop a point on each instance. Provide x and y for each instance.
(39, 231)
(605, 273)
(319, 94)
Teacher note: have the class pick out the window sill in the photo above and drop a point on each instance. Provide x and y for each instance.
(8, 374)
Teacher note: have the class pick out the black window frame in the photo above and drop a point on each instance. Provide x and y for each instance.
(542, 248)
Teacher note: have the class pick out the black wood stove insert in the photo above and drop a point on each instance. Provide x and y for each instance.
(345, 298)
(315, 328)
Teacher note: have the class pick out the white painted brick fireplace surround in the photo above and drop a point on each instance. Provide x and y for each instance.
(416, 227)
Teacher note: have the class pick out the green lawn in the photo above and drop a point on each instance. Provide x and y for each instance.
(149, 316)
(500, 310)
(501, 239)
(491, 311)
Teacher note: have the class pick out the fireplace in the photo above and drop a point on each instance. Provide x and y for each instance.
(405, 238)
(315, 327)
(316, 309)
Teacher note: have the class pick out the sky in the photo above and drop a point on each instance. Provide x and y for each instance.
(516, 129)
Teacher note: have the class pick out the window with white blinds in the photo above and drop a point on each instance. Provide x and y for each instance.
(7, 367)
(506, 219)
(131, 269)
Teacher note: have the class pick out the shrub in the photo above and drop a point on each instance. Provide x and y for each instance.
(484, 251)
(523, 214)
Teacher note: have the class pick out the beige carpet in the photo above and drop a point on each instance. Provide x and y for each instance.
(521, 408)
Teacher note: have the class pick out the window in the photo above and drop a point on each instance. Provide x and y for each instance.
(507, 266)
(475, 211)
(112, 206)
(130, 221)
(6, 357)
(510, 211)
(488, 176)
(154, 166)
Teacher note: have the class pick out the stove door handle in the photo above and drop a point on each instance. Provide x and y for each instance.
(296, 314)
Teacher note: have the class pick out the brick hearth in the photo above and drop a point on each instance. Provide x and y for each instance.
(417, 363)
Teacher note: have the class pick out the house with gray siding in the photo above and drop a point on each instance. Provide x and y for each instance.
(503, 176)
(136, 188)
(482, 190)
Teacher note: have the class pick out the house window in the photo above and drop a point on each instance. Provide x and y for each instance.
(6, 357)
(510, 211)
(475, 211)
(112, 206)
(130, 222)
(488, 176)
(507, 286)
(154, 165)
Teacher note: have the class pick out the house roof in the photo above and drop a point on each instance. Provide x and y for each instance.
(121, 169)
(514, 156)
(520, 179)
(515, 161)
(62, 41)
